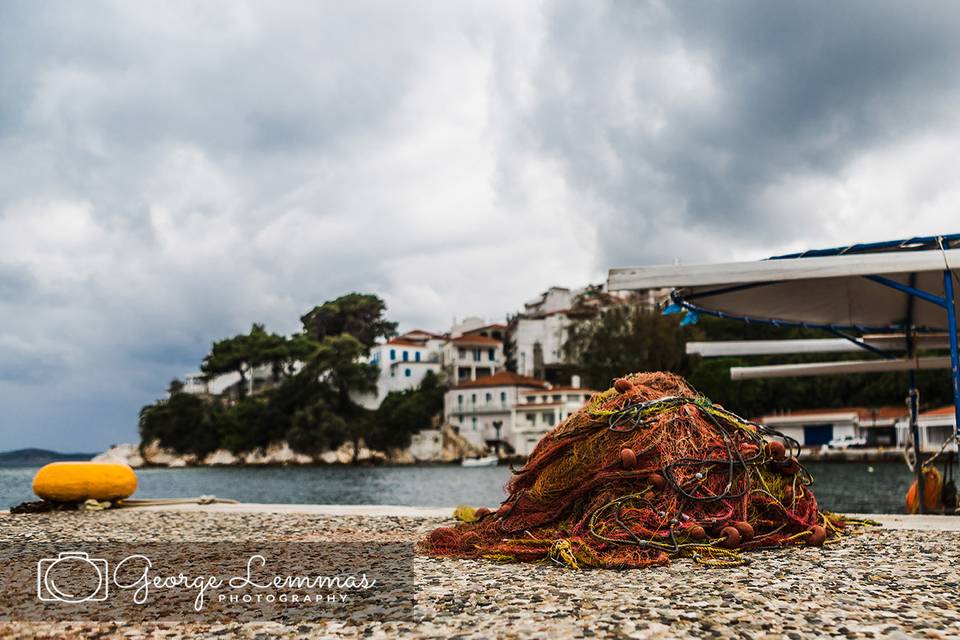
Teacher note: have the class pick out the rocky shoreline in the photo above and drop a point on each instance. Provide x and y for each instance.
(442, 445)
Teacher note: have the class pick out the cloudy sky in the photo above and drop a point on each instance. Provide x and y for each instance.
(172, 172)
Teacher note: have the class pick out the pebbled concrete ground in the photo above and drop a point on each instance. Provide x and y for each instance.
(885, 583)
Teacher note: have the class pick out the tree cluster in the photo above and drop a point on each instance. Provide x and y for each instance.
(318, 376)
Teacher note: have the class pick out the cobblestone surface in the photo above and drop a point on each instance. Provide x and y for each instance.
(881, 584)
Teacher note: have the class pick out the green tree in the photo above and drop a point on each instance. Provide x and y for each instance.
(403, 413)
(323, 397)
(357, 314)
(626, 338)
(243, 352)
(184, 423)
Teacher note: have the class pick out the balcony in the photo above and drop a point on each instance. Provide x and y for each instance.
(470, 408)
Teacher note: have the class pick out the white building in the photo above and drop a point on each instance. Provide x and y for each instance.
(228, 384)
(817, 427)
(403, 362)
(539, 411)
(470, 356)
(539, 333)
(498, 409)
(936, 427)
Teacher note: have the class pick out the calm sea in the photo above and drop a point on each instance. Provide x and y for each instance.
(850, 487)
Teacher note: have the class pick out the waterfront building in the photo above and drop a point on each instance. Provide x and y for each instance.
(509, 411)
(403, 362)
(937, 426)
(817, 427)
(539, 410)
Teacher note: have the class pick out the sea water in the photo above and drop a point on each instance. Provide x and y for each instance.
(852, 487)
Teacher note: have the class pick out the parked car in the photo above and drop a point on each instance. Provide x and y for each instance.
(847, 442)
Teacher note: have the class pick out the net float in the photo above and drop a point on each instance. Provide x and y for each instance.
(628, 458)
(622, 385)
(817, 537)
(697, 532)
(657, 480)
(79, 481)
(504, 510)
(789, 467)
(788, 493)
(776, 449)
(731, 538)
(745, 529)
(482, 512)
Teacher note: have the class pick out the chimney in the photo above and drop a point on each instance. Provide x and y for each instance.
(575, 381)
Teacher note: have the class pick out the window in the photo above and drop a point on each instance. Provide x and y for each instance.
(489, 397)
(476, 355)
(547, 417)
(572, 397)
(416, 356)
(462, 353)
(531, 398)
(406, 356)
(557, 398)
(393, 354)
(407, 373)
(474, 421)
(473, 398)
(531, 417)
(503, 397)
(492, 353)
(460, 398)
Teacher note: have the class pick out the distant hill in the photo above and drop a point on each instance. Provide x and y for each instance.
(36, 457)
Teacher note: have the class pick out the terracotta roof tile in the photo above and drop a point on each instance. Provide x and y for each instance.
(478, 340)
(502, 379)
(939, 411)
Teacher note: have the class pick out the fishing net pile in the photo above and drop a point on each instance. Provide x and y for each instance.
(647, 471)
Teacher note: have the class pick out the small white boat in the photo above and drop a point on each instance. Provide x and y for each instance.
(485, 461)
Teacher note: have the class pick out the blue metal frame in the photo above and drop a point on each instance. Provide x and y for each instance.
(689, 306)
(947, 302)
(910, 291)
(952, 332)
(910, 244)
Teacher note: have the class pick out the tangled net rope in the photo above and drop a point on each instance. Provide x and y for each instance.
(648, 471)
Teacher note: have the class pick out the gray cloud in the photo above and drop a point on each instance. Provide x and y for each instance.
(175, 172)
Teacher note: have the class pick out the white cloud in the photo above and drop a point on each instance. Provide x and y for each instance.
(175, 172)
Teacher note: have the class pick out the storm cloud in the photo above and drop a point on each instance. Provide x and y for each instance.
(176, 171)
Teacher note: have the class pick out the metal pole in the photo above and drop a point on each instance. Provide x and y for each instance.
(954, 358)
(913, 400)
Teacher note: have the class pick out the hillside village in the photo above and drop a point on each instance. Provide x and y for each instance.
(507, 382)
(479, 388)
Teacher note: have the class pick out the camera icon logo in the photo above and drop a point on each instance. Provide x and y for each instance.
(72, 577)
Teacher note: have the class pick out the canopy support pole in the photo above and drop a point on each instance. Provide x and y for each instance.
(952, 334)
(910, 290)
(862, 344)
(913, 395)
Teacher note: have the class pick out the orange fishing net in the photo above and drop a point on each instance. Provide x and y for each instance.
(647, 471)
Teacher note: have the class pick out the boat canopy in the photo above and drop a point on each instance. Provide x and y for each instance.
(881, 287)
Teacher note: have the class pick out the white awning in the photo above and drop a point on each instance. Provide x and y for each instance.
(831, 290)
(889, 342)
(837, 368)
